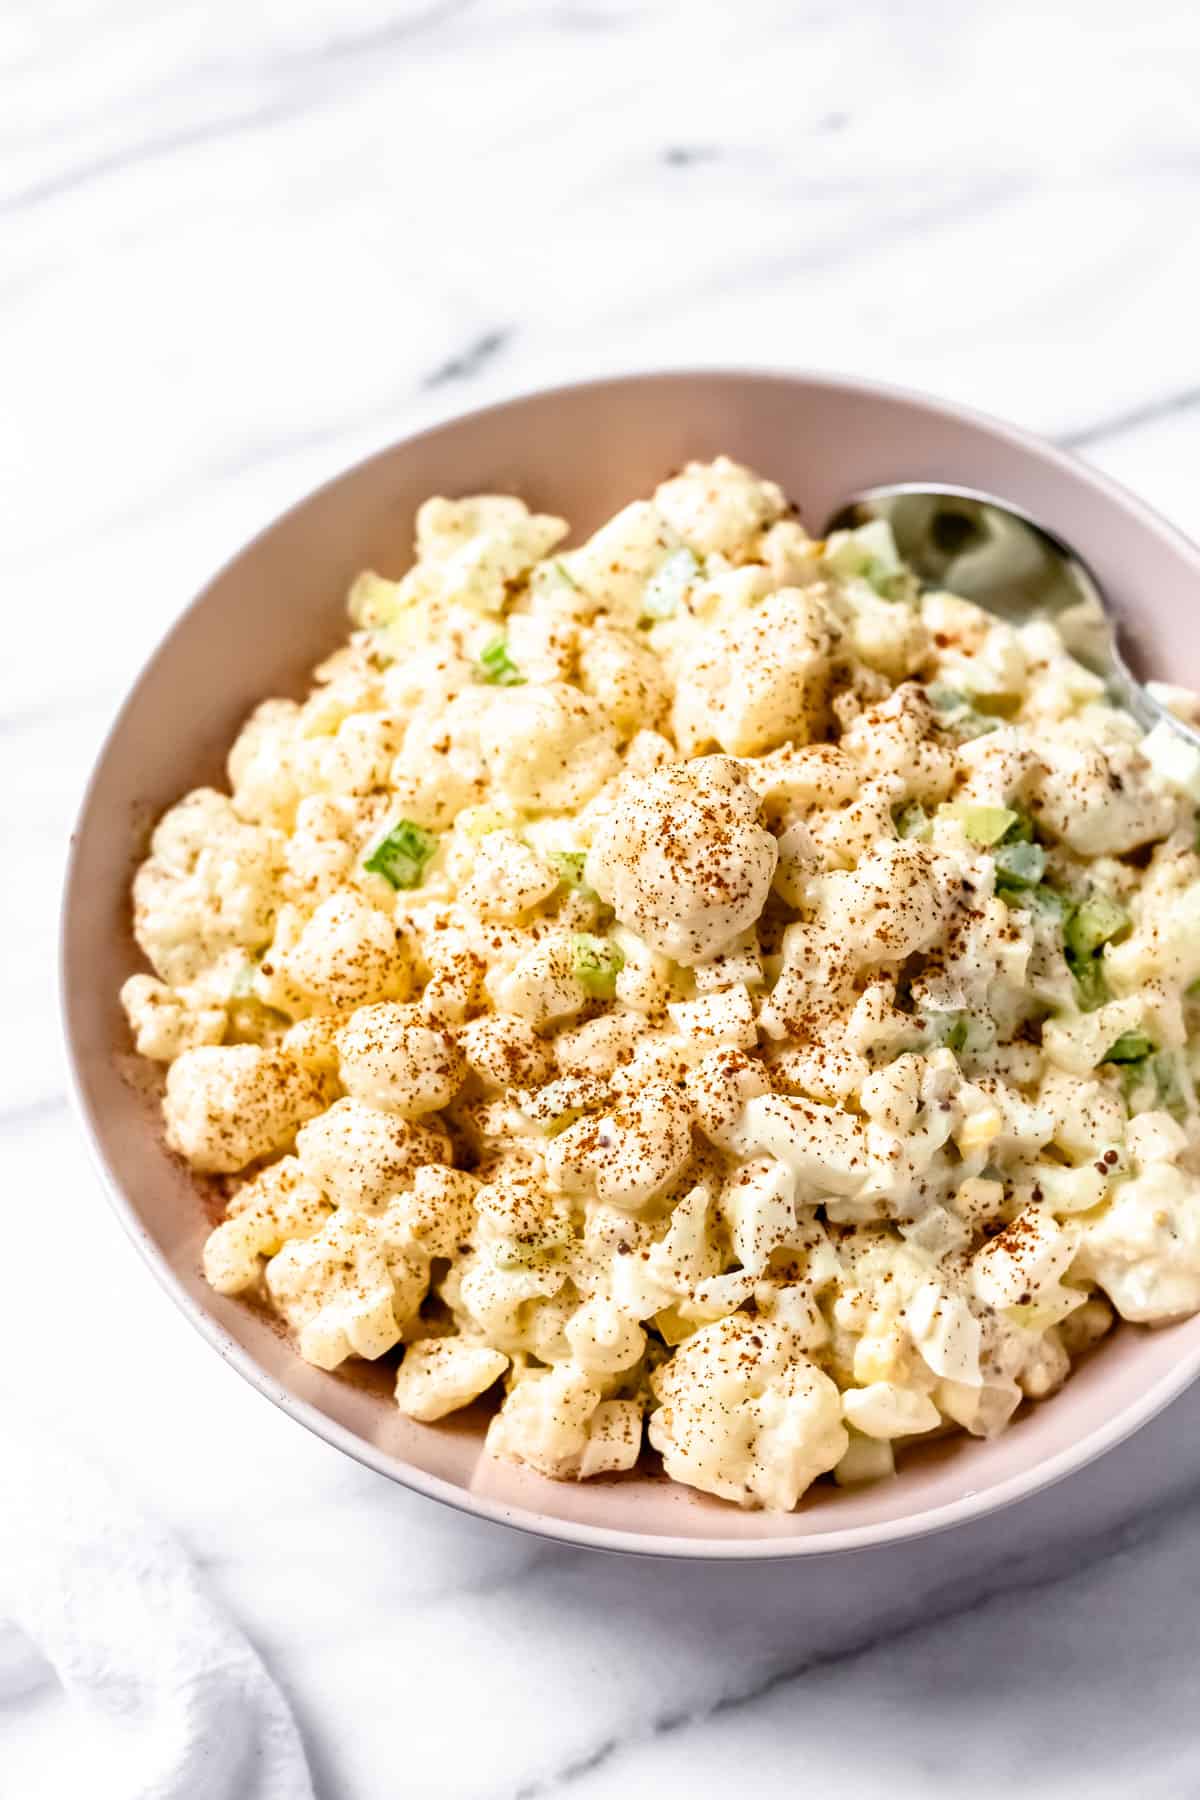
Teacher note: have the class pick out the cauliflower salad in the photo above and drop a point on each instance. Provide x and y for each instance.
(695, 987)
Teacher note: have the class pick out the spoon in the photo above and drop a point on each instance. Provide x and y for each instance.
(987, 551)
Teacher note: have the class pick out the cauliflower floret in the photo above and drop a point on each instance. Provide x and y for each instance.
(744, 1415)
(898, 737)
(278, 1205)
(627, 1156)
(442, 766)
(612, 568)
(604, 1340)
(555, 1420)
(440, 1375)
(348, 1290)
(885, 634)
(360, 1157)
(392, 1060)
(542, 985)
(762, 678)
(507, 878)
(720, 507)
(227, 1105)
(345, 955)
(726, 1017)
(623, 674)
(471, 551)
(162, 1022)
(719, 1087)
(209, 886)
(505, 1051)
(1100, 802)
(543, 646)
(436, 1216)
(601, 1046)
(682, 858)
(896, 902)
(1144, 1250)
(261, 765)
(547, 748)
(758, 1202)
(320, 854)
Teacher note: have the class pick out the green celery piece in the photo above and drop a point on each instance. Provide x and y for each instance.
(596, 964)
(570, 865)
(1168, 1085)
(1050, 903)
(1094, 922)
(944, 699)
(1018, 866)
(665, 589)
(949, 1030)
(956, 714)
(912, 821)
(984, 825)
(401, 856)
(499, 670)
(1090, 985)
(1021, 831)
(1130, 1047)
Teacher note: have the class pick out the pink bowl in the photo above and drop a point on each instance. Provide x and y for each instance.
(257, 629)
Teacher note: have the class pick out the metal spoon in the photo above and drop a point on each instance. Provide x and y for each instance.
(987, 551)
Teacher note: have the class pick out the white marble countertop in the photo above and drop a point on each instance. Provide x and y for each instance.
(244, 243)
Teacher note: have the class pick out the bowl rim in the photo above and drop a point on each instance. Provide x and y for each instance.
(944, 1517)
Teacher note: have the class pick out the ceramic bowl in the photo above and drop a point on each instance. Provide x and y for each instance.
(256, 630)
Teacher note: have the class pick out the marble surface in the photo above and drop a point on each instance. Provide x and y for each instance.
(241, 245)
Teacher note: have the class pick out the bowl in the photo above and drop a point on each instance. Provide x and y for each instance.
(581, 451)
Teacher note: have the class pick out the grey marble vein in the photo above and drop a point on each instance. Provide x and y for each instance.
(1150, 412)
(1035, 1575)
(470, 360)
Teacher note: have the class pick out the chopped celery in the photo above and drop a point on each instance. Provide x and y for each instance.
(1130, 1047)
(672, 1327)
(956, 714)
(944, 699)
(596, 964)
(1167, 1084)
(1094, 922)
(570, 865)
(498, 668)
(949, 1029)
(1050, 903)
(984, 825)
(912, 821)
(242, 986)
(1021, 832)
(889, 584)
(1018, 866)
(869, 554)
(664, 591)
(511, 1254)
(401, 856)
(1090, 986)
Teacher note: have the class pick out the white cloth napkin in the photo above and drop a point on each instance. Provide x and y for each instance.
(120, 1677)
